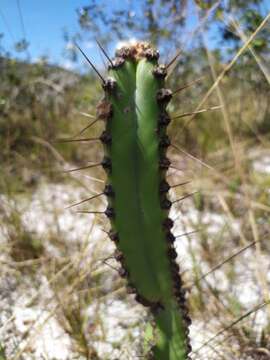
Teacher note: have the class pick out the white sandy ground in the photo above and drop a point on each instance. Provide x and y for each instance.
(261, 162)
(23, 318)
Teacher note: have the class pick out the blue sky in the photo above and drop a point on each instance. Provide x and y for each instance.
(43, 25)
(44, 22)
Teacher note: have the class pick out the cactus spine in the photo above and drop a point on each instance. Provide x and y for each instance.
(135, 143)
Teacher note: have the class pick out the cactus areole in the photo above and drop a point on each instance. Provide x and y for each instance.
(135, 143)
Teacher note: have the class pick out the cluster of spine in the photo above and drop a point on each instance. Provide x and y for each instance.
(158, 287)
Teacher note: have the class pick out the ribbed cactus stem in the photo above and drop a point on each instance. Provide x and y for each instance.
(136, 142)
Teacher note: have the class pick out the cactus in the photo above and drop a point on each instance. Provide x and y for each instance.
(135, 145)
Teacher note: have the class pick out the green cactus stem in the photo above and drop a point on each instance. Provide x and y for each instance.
(135, 142)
